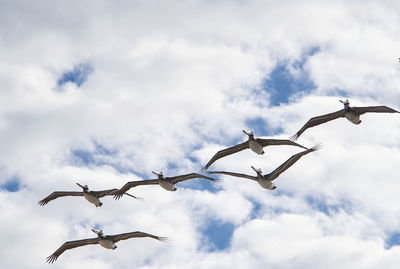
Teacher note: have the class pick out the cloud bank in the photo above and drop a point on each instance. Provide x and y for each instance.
(102, 93)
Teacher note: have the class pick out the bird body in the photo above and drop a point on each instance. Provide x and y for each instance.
(106, 241)
(256, 147)
(91, 196)
(167, 183)
(169, 186)
(266, 181)
(92, 199)
(255, 144)
(350, 113)
(352, 116)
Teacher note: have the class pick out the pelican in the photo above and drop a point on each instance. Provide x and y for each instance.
(91, 196)
(167, 183)
(106, 241)
(266, 181)
(351, 113)
(255, 144)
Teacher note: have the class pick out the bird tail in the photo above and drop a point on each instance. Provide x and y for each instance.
(162, 238)
(138, 198)
(294, 137)
(316, 147)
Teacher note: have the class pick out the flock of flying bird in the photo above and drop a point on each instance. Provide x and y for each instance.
(255, 144)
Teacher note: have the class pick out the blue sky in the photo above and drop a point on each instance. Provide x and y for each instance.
(282, 84)
(77, 75)
(11, 185)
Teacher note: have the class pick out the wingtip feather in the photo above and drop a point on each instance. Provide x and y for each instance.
(51, 259)
(294, 137)
(316, 147)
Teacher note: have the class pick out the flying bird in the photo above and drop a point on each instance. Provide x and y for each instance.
(91, 196)
(255, 144)
(266, 181)
(106, 241)
(351, 113)
(167, 183)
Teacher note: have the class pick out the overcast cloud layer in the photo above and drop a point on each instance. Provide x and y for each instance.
(101, 93)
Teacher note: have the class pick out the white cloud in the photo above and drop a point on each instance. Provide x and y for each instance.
(171, 85)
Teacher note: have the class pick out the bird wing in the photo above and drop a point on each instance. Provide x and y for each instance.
(233, 174)
(103, 193)
(118, 194)
(58, 194)
(377, 109)
(177, 179)
(319, 120)
(283, 167)
(71, 244)
(275, 142)
(226, 152)
(124, 236)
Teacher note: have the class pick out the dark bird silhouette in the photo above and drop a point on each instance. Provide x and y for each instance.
(92, 196)
(255, 144)
(266, 181)
(106, 241)
(167, 183)
(351, 113)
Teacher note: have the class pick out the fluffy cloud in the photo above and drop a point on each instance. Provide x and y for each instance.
(170, 85)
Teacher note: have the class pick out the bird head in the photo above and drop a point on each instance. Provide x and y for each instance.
(84, 187)
(98, 232)
(346, 102)
(250, 134)
(258, 171)
(158, 174)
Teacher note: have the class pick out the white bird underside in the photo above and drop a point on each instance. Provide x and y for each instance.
(255, 144)
(350, 113)
(168, 183)
(91, 196)
(266, 181)
(92, 199)
(106, 241)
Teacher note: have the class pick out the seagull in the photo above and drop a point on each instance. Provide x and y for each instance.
(266, 181)
(351, 113)
(255, 144)
(91, 196)
(167, 183)
(106, 241)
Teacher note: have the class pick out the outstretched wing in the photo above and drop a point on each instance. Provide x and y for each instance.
(233, 174)
(125, 236)
(226, 152)
(276, 142)
(71, 244)
(317, 121)
(118, 194)
(376, 109)
(103, 193)
(177, 179)
(58, 194)
(283, 167)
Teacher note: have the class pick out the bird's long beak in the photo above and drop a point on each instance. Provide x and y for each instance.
(246, 132)
(157, 174)
(96, 231)
(341, 101)
(255, 169)
(80, 185)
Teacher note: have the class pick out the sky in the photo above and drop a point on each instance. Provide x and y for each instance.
(102, 93)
